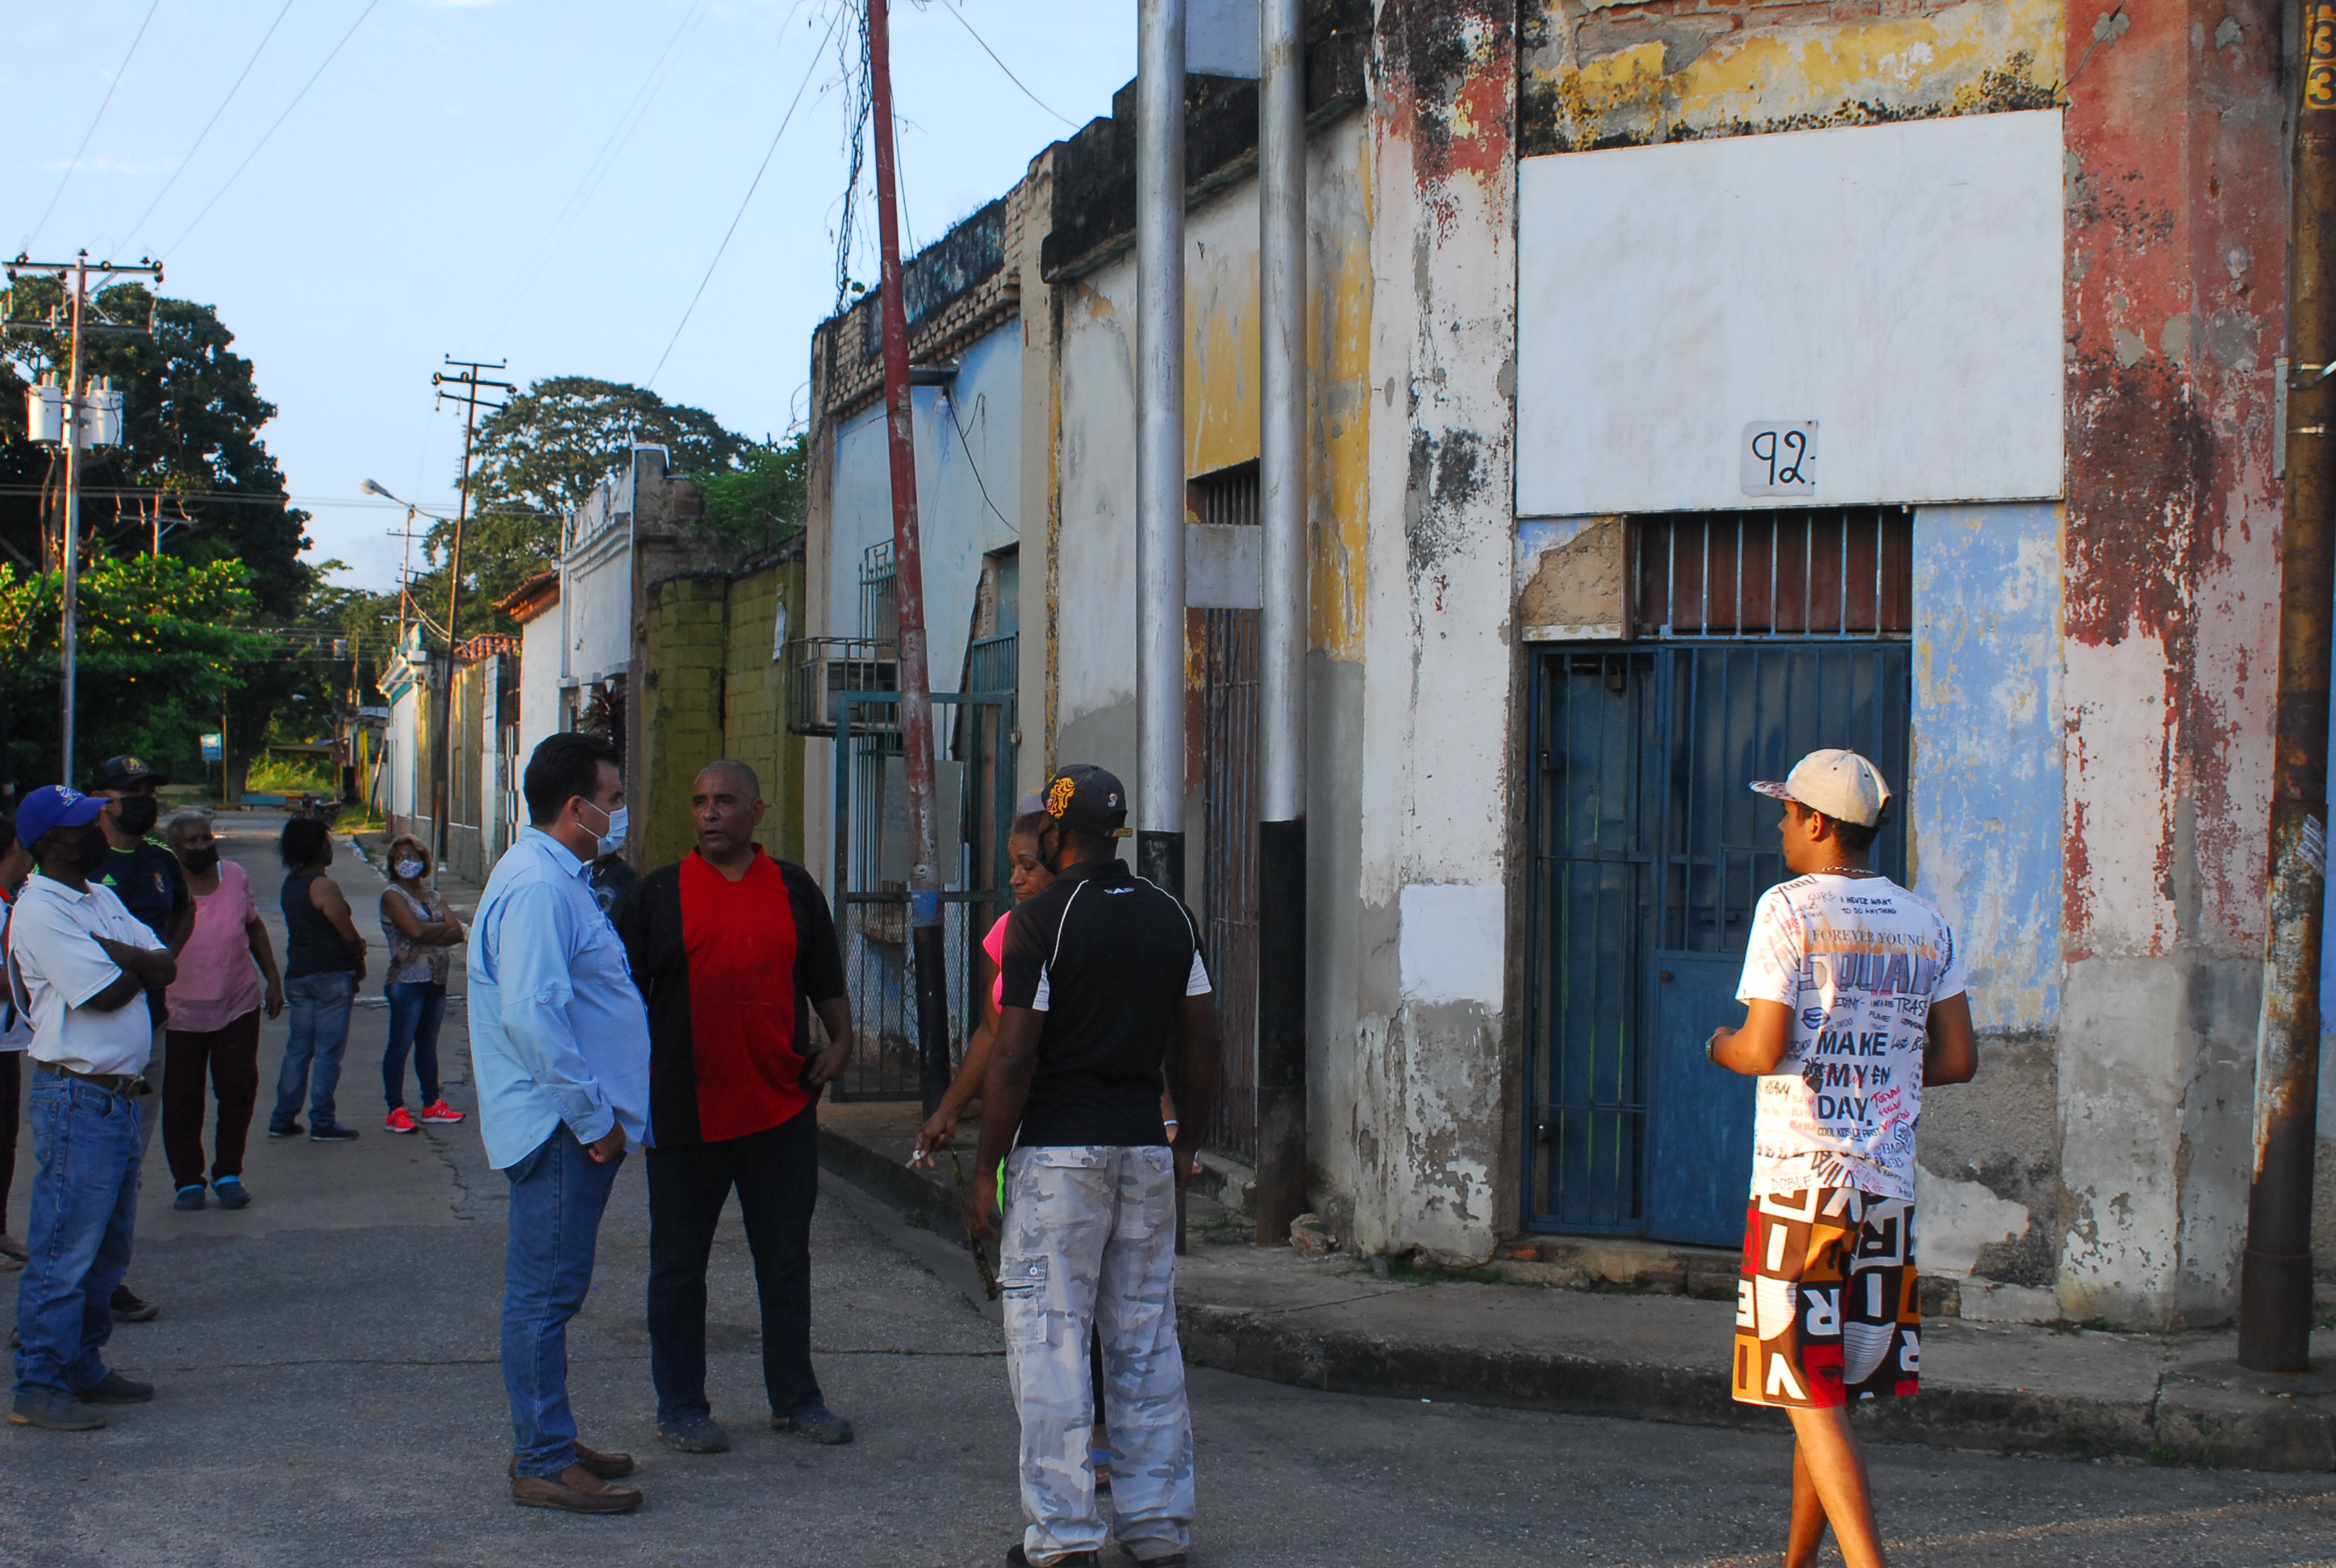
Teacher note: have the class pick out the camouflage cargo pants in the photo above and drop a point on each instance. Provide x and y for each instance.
(1090, 1239)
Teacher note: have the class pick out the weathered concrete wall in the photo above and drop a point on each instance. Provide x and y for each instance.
(1985, 843)
(1986, 790)
(2176, 261)
(1094, 607)
(968, 495)
(539, 702)
(1608, 73)
(763, 605)
(1431, 1150)
(685, 645)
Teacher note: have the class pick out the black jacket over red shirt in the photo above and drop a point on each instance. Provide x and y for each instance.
(730, 971)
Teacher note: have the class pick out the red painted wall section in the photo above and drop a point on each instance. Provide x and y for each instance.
(2176, 222)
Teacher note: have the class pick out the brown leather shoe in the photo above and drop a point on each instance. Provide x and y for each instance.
(606, 1467)
(574, 1490)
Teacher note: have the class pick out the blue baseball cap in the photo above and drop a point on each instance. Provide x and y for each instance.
(52, 807)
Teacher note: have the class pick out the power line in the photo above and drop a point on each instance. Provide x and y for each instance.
(101, 105)
(206, 131)
(970, 463)
(280, 119)
(1001, 64)
(759, 170)
(619, 133)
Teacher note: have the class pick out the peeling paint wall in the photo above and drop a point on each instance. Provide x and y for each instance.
(1424, 1147)
(1610, 73)
(1986, 791)
(2176, 239)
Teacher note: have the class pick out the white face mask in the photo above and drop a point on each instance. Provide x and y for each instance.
(409, 869)
(613, 839)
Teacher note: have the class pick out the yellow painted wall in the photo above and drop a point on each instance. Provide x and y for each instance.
(685, 639)
(754, 700)
(1221, 317)
(1606, 75)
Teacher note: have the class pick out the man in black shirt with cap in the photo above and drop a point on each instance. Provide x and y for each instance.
(1104, 985)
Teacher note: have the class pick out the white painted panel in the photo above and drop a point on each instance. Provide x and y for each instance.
(1450, 947)
(1898, 285)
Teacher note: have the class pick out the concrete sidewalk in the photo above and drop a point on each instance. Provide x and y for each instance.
(1334, 1324)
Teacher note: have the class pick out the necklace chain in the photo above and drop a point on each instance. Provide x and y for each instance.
(1845, 870)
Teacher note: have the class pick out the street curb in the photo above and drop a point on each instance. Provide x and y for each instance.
(2197, 1415)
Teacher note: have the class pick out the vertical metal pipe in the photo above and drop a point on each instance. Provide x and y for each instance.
(2276, 1275)
(1282, 666)
(909, 593)
(1159, 440)
(68, 619)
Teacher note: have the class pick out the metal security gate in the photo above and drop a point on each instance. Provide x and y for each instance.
(1229, 767)
(1648, 854)
(870, 864)
(1229, 763)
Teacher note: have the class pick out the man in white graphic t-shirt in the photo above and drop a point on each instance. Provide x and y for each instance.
(1853, 991)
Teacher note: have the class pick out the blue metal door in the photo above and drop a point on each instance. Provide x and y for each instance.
(1648, 854)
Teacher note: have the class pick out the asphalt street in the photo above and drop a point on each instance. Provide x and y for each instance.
(329, 1394)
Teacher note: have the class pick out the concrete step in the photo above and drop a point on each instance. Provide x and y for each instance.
(1652, 1339)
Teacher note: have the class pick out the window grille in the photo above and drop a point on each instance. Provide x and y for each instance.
(1843, 572)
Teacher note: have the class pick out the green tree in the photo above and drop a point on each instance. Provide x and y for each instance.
(190, 462)
(160, 649)
(191, 479)
(538, 458)
(762, 501)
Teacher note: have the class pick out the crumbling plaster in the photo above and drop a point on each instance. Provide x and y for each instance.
(1607, 72)
(2176, 205)
(1426, 1125)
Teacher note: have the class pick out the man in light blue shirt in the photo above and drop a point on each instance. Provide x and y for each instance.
(560, 1047)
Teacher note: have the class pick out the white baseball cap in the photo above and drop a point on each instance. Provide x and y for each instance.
(1841, 784)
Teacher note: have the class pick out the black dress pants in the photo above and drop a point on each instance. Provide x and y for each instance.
(775, 1173)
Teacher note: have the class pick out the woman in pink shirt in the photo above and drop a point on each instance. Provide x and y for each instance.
(214, 1025)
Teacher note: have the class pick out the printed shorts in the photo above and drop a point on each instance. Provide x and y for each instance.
(1827, 1309)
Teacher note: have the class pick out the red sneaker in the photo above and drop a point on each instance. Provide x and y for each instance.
(399, 1121)
(441, 1114)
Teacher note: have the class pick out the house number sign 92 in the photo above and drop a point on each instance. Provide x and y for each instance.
(1780, 457)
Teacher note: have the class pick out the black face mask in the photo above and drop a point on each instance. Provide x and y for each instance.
(200, 861)
(93, 850)
(136, 814)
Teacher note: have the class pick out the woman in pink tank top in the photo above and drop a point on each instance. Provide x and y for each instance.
(1028, 878)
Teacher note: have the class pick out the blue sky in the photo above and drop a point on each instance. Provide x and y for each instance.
(411, 204)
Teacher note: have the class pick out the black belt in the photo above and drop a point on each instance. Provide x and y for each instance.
(129, 1084)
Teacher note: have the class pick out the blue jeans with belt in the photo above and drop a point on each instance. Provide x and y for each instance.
(318, 1010)
(558, 1192)
(84, 1204)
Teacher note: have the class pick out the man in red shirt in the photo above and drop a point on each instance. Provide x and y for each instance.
(732, 950)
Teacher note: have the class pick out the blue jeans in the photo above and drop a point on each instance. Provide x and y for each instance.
(84, 1205)
(319, 1009)
(556, 1195)
(416, 1008)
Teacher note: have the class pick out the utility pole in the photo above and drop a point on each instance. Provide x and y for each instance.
(1159, 440)
(2276, 1275)
(1281, 673)
(78, 431)
(932, 956)
(463, 387)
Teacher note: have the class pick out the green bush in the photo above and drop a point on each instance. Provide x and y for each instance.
(280, 776)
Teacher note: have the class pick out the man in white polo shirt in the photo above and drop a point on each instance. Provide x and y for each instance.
(82, 967)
